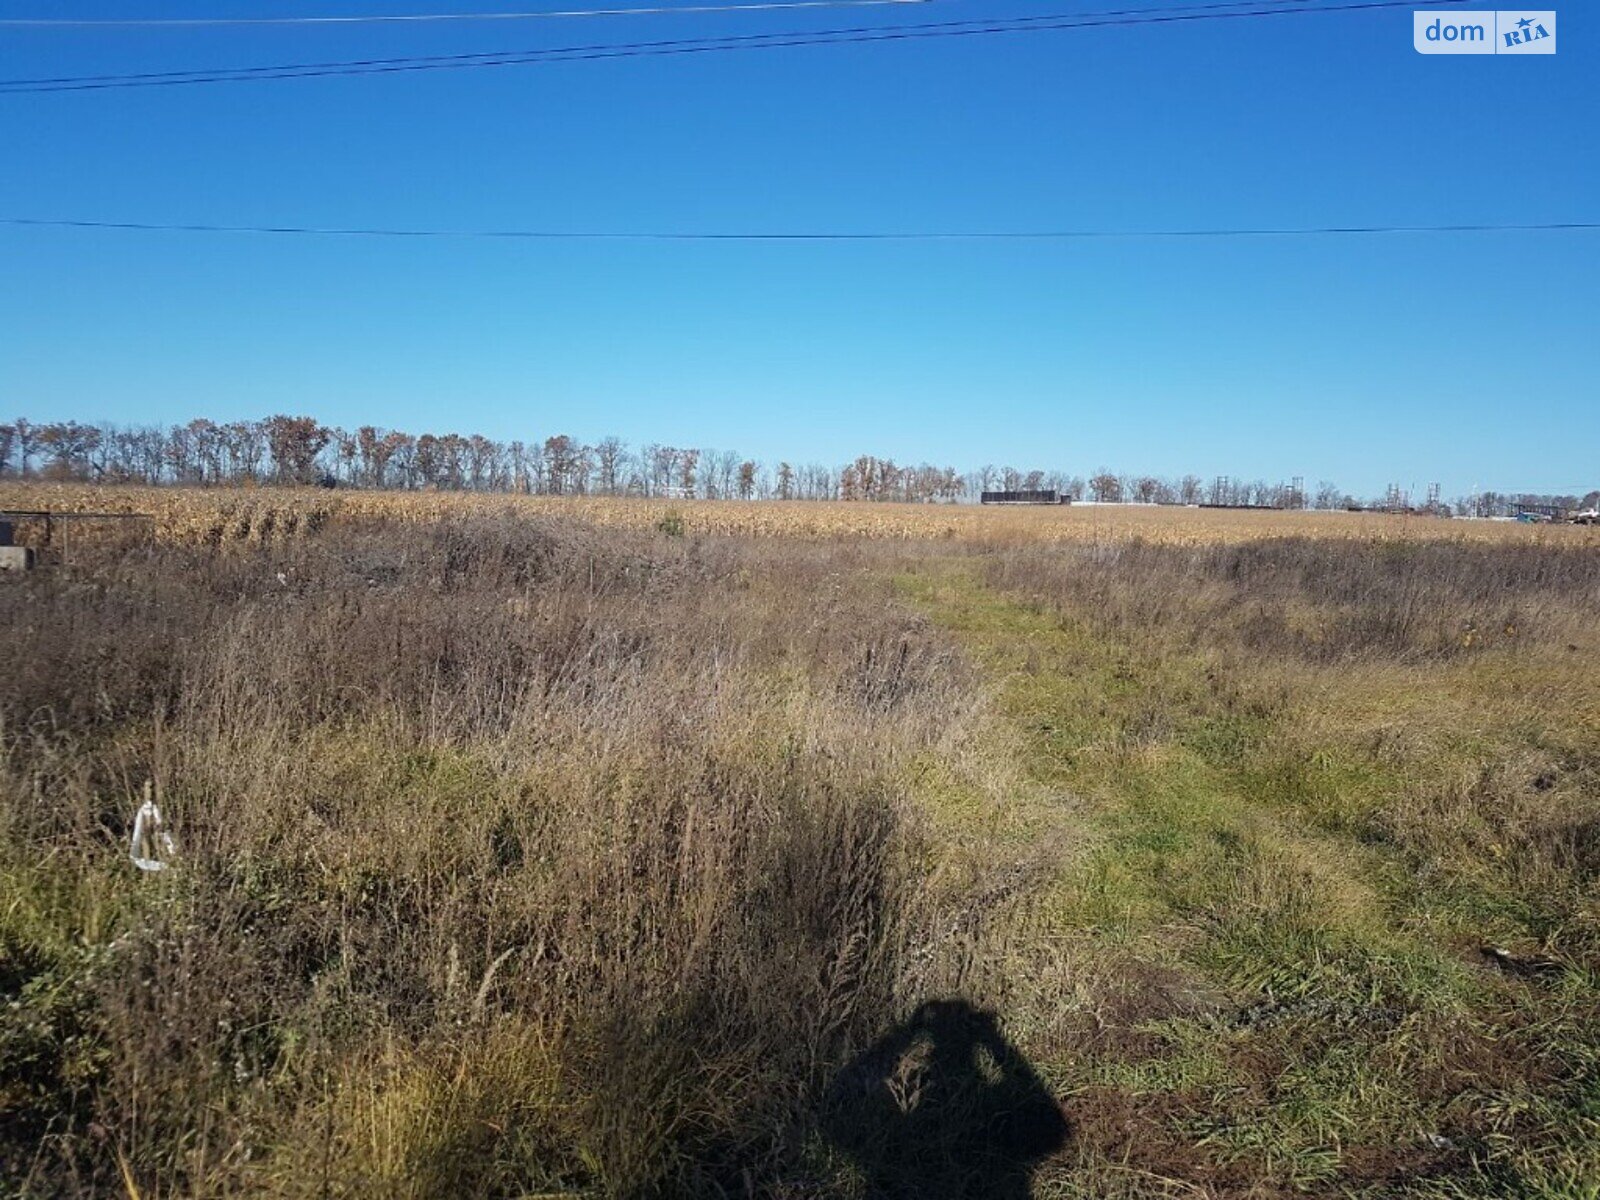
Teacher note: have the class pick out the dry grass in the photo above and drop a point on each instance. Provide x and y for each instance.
(513, 855)
(529, 854)
(218, 516)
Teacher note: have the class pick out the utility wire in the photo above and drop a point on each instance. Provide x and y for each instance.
(410, 18)
(1234, 9)
(814, 236)
(714, 42)
(473, 58)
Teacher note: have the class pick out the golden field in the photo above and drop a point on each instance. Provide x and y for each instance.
(257, 514)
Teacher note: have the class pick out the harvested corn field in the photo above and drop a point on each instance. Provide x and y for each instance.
(219, 516)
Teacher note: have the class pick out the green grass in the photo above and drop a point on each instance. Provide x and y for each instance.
(1320, 1026)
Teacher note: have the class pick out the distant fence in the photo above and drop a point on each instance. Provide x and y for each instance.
(55, 527)
(1045, 496)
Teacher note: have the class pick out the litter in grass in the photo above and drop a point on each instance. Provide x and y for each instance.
(152, 848)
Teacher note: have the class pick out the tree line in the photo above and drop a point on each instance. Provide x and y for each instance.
(300, 450)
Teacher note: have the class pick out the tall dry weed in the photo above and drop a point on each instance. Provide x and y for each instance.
(514, 855)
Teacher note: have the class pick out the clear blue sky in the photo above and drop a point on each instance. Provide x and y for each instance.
(1468, 359)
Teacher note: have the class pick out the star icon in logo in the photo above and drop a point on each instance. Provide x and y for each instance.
(1524, 23)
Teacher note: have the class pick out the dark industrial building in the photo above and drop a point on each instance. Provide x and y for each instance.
(1045, 496)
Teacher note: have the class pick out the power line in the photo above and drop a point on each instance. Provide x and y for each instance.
(812, 236)
(417, 18)
(1230, 10)
(714, 42)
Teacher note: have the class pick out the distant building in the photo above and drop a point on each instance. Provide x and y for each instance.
(1539, 512)
(1044, 496)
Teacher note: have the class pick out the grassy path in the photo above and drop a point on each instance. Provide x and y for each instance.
(1238, 992)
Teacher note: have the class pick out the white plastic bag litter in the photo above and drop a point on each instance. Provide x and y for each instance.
(153, 847)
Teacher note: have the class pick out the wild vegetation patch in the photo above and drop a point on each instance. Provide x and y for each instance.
(510, 856)
(520, 854)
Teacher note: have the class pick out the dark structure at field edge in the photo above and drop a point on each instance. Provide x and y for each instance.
(24, 558)
(1044, 496)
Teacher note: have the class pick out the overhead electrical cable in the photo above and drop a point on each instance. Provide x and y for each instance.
(431, 18)
(810, 235)
(472, 58)
(1231, 10)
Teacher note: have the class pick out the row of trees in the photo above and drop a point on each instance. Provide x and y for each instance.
(287, 449)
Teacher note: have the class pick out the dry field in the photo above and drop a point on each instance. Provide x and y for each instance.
(550, 848)
(216, 516)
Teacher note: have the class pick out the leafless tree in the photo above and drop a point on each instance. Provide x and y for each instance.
(610, 455)
(26, 438)
(721, 469)
(8, 439)
(1329, 495)
(67, 444)
(1106, 487)
(688, 464)
(293, 444)
(559, 454)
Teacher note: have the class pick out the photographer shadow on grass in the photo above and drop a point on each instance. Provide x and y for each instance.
(944, 1107)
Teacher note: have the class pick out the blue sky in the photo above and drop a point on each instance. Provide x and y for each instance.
(1470, 359)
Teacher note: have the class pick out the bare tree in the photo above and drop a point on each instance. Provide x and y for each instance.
(293, 444)
(559, 452)
(68, 444)
(582, 470)
(244, 442)
(1329, 495)
(688, 462)
(721, 467)
(817, 482)
(206, 439)
(610, 454)
(345, 448)
(480, 454)
(1106, 487)
(662, 470)
(27, 440)
(850, 487)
